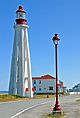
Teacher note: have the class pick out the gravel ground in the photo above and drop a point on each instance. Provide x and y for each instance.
(70, 106)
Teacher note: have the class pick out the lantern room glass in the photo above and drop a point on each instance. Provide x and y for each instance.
(21, 15)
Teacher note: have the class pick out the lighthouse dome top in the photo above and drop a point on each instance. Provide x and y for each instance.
(20, 9)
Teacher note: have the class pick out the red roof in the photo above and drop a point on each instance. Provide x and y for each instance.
(43, 77)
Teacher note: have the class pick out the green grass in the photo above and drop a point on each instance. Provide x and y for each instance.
(78, 100)
(57, 115)
(6, 98)
(43, 96)
(54, 116)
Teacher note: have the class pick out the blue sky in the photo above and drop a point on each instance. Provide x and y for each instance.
(45, 18)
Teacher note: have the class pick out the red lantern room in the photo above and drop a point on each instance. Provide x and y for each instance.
(21, 16)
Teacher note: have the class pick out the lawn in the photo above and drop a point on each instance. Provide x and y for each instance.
(53, 116)
(44, 96)
(6, 98)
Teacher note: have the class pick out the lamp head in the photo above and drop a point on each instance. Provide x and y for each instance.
(56, 39)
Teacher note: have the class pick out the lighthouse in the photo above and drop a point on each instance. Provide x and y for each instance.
(20, 75)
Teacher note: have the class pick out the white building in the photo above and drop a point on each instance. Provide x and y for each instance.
(46, 84)
(20, 76)
(60, 87)
(76, 88)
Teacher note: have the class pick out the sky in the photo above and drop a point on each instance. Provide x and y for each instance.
(45, 18)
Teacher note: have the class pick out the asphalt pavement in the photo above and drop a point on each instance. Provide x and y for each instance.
(39, 108)
(10, 109)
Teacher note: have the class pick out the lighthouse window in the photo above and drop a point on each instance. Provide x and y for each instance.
(20, 15)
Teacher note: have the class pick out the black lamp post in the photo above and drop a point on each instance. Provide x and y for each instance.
(57, 108)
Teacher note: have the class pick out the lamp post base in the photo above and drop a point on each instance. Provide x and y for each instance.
(57, 109)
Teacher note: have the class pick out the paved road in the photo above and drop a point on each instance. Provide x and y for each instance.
(7, 110)
(69, 104)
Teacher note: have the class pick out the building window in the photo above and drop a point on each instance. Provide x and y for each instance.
(39, 81)
(51, 88)
(35, 88)
(44, 88)
(39, 89)
(34, 81)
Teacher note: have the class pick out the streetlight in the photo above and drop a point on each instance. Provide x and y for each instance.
(57, 108)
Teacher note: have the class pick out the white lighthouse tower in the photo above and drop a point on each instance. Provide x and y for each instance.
(20, 76)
